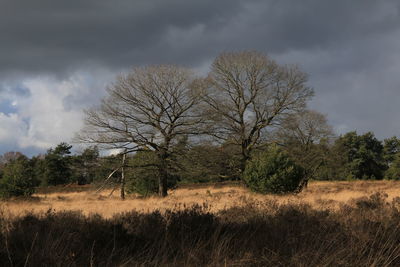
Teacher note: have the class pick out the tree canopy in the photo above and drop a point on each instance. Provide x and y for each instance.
(147, 109)
(247, 93)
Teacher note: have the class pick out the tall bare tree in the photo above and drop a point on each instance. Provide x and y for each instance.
(306, 136)
(146, 109)
(248, 93)
(305, 128)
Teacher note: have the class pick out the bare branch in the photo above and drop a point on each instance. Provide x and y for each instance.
(146, 109)
(248, 93)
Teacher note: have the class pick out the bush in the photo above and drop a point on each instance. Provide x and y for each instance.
(142, 178)
(58, 165)
(268, 235)
(206, 163)
(18, 178)
(143, 182)
(393, 173)
(273, 172)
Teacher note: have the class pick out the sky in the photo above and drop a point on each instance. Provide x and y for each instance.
(57, 57)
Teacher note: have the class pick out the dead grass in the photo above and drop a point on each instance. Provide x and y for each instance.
(329, 224)
(319, 195)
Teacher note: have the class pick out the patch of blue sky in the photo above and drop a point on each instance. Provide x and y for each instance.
(20, 90)
(28, 151)
(8, 106)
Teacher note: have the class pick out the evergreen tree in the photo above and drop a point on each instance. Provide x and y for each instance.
(58, 165)
(393, 173)
(391, 147)
(363, 155)
(85, 166)
(273, 172)
(18, 178)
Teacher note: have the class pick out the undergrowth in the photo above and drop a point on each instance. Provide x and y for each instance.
(363, 232)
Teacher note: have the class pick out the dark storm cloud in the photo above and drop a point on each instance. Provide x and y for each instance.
(68, 51)
(58, 35)
(51, 36)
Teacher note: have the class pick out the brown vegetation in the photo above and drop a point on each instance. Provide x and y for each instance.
(319, 195)
(330, 224)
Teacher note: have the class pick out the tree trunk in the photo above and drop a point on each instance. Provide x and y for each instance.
(162, 186)
(163, 174)
(242, 166)
(244, 159)
(123, 177)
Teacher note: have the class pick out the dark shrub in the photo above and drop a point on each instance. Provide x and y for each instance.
(143, 174)
(18, 178)
(269, 235)
(273, 172)
(393, 173)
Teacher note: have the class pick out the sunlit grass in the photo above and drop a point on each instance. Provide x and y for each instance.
(320, 195)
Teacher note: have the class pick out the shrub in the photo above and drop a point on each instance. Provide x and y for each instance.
(209, 163)
(270, 235)
(142, 178)
(393, 173)
(144, 183)
(18, 178)
(58, 165)
(273, 172)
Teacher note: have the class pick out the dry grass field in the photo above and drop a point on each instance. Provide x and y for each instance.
(319, 195)
(328, 224)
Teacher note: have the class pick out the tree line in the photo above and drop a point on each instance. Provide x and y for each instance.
(170, 126)
(347, 157)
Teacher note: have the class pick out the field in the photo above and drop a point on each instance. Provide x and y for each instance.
(217, 197)
(328, 224)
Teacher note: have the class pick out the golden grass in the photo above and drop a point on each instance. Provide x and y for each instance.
(318, 195)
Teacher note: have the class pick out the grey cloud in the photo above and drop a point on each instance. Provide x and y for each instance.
(52, 36)
(21, 91)
(13, 89)
(351, 49)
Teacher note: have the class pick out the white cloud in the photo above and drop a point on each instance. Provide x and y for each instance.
(11, 128)
(49, 122)
(52, 112)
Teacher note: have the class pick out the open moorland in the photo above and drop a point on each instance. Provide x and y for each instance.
(328, 224)
(213, 197)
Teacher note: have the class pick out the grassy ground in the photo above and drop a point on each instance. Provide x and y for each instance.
(320, 195)
(329, 224)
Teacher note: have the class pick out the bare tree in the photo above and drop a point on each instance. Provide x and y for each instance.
(248, 93)
(305, 136)
(9, 156)
(306, 128)
(146, 109)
